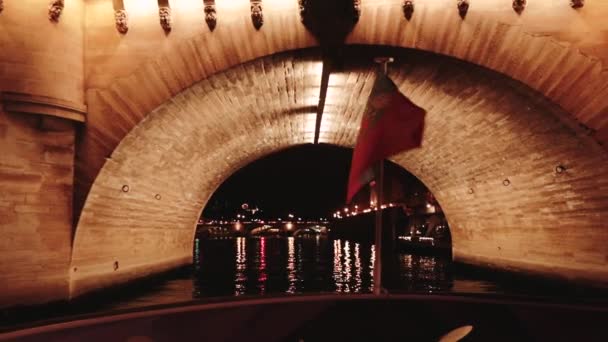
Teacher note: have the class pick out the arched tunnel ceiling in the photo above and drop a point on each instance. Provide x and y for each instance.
(482, 129)
(552, 48)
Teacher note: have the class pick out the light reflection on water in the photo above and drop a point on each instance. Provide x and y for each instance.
(291, 262)
(256, 266)
(241, 266)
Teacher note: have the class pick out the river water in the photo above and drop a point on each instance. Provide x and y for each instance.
(290, 265)
(250, 267)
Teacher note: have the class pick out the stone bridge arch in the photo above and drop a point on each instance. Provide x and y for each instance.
(82, 87)
(130, 75)
(521, 183)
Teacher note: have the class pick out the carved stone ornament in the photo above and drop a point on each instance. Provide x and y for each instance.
(519, 5)
(329, 21)
(577, 3)
(210, 14)
(305, 9)
(257, 17)
(122, 24)
(463, 7)
(164, 13)
(408, 9)
(357, 8)
(55, 9)
(303, 6)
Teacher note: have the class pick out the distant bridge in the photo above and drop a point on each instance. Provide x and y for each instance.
(243, 228)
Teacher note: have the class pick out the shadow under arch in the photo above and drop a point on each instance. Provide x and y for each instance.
(484, 132)
(308, 183)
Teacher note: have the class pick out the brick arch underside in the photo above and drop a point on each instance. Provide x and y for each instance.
(482, 129)
(129, 79)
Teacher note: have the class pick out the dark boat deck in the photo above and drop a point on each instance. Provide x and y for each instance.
(391, 317)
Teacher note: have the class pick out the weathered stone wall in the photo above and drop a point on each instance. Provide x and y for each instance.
(41, 70)
(551, 47)
(187, 149)
(131, 74)
(482, 129)
(39, 56)
(36, 177)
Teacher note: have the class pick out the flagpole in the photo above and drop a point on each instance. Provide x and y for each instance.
(378, 289)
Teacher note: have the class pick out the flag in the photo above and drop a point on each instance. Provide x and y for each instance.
(391, 123)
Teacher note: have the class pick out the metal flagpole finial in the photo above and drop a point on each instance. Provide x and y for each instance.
(384, 61)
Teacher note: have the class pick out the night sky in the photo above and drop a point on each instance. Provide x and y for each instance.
(308, 181)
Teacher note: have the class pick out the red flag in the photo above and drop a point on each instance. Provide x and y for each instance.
(391, 124)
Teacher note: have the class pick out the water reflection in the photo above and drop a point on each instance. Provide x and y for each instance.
(292, 275)
(350, 269)
(372, 262)
(241, 266)
(291, 265)
(261, 266)
(358, 268)
(248, 266)
(423, 273)
(347, 266)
